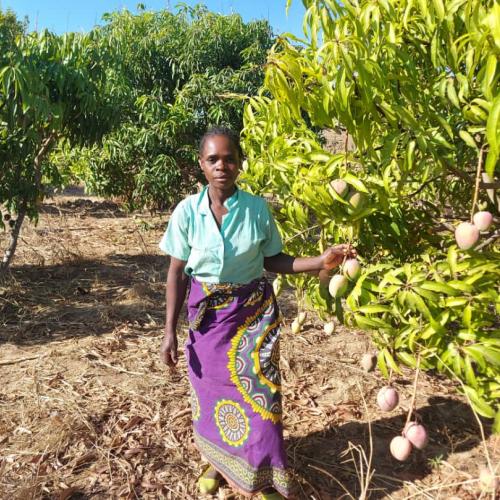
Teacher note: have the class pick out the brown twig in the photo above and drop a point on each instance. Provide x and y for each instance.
(440, 486)
(414, 395)
(119, 368)
(346, 144)
(426, 183)
(332, 477)
(491, 239)
(302, 232)
(478, 181)
(19, 360)
(369, 472)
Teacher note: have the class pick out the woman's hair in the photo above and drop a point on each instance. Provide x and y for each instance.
(226, 132)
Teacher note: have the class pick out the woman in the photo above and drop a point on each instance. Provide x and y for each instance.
(219, 242)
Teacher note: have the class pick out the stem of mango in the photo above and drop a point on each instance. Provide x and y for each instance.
(414, 395)
(478, 181)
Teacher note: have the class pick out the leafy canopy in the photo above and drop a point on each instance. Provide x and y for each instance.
(415, 86)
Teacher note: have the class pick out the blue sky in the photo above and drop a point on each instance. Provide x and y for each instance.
(60, 16)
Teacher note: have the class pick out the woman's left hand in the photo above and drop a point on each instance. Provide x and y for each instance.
(334, 256)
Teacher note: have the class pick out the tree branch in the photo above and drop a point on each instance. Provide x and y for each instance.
(478, 181)
(491, 239)
(426, 183)
(489, 185)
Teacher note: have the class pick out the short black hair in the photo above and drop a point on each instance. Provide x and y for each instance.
(233, 137)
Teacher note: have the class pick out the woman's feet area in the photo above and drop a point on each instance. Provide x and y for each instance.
(209, 481)
(271, 494)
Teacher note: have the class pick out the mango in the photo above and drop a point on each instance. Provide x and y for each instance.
(482, 220)
(352, 269)
(416, 434)
(466, 235)
(329, 327)
(387, 398)
(338, 286)
(340, 187)
(357, 200)
(488, 480)
(400, 448)
(368, 362)
(301, 318)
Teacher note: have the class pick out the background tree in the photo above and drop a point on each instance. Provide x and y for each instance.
(416, 86)
(121, 108)
(51, 92)
(176, 73)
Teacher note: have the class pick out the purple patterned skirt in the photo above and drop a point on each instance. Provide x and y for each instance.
(233, 364)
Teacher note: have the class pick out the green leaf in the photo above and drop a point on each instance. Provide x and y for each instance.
(407, 359)
(382, 365)
(455, 301)
(390, 361)
(427, 294)
(492, 126)
(490, 354)
(489, 75)
(496, 423)
(374, 309)
(468, 139)
(452, 258)
(371, 323)
(476, 355)
(491, 162)
(439, 287)
(470, 376)
(479, 404)
(452, 93)
(354, 181)
(416, 303)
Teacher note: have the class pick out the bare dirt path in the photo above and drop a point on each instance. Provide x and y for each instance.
(88, 411)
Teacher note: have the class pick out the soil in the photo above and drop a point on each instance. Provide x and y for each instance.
(87, 410)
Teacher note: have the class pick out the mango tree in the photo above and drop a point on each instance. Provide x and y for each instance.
(176, 74)
(415, 86)
(50, 93)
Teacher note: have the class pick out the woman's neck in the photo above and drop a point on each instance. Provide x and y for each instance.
(218, 196)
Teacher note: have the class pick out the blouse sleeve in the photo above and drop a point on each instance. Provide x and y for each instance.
(175, 240)
(272, 245)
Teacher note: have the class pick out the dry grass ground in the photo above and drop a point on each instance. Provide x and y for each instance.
(88, 411)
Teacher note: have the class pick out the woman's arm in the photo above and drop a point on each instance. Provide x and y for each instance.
(177, 281)
(330, 258)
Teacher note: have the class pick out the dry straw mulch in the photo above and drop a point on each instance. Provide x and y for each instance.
(88, 411)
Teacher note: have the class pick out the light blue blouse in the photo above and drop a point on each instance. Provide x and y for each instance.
(236, 252)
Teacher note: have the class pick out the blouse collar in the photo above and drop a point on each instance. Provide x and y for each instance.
(204, 206)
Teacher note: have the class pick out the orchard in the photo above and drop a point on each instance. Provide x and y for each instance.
(390, 362)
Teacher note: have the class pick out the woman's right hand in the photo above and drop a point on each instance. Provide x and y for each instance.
(168, 349)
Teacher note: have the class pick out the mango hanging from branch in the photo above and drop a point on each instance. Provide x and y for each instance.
(466, 235)
(482, 220)
(340, 187)
(352, 269)
(338, 286)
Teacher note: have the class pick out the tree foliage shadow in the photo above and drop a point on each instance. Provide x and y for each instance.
(85, 207)
(318, 457)
(80, 298)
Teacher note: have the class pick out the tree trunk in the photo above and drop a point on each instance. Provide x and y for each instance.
(14, 235)
(21, 214)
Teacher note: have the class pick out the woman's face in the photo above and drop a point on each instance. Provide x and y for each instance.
(220, 162)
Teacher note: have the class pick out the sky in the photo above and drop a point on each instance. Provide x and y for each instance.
(60, 16)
